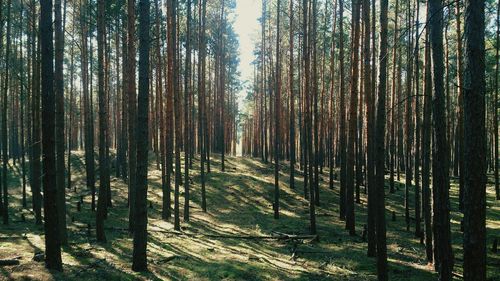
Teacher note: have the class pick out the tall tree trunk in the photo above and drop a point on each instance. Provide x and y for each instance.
(370, 116)
(308, 170)
(166, 212)
(59, 95)
(426, 150)
(379, 182)
(24, 100)
(315, 117)
(202, 117)
(475, 149)
(132, 114)
(139, 260)
(103, 125)
(52, 242)
(331, 136)
(172, 60)
(5, 156)
(460, 116)
(395, 73)
(418, 231)
(87, 101)
(409, 120)
(291, 92)
(35, 111)
(187, 94)
(71, 110)
(1, 136)
(342, 113)
(440, 164)
(350, 218)
(495, 122)
(277, 104)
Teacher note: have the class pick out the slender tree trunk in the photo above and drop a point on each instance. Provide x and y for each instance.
(315, 117)
(426, 151)
(379, 182)
(350, 218)
(87, 104)
(392, 144)
(474, 198)
(418, 231)
(59, 95)
(172, 60)
(52, 242)
(23, 100)
(132, 114)
(103, 126)
(139, 260)
(370, 116)
(460, 116)
(291, 92)
(5, 156)
(342, 113)
(440, 164)
(187, 94)
(495, 122)
(35, 111)
(332, 116)
(71, 109)
(409, 120)
(277, 104)
(309, 153)
(202, 117)
(166, 211)
(1, 137)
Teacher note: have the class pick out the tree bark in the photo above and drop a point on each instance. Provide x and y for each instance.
(426, 151)
(132, 114)
(52, 242)
(139, 259)
(103, 126)
(277, 104)
(187, 94)
(5, 156)
(379, 182)
(342, 114)
(59, 95)
(350, 218)
(443, 252)
(475, 149)
(370, 116)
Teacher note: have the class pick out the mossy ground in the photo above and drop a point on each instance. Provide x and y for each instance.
(239, 203)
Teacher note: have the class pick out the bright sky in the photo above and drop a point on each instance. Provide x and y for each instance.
(247, 26)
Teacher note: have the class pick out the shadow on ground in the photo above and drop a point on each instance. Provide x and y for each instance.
(239, 203)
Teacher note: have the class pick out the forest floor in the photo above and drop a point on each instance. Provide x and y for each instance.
(239, 204)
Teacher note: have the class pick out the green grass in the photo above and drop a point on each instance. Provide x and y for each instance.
(239, 203)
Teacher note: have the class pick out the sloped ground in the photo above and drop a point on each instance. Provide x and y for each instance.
(239, 204)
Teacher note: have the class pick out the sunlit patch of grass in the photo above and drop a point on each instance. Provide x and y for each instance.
(239, 203)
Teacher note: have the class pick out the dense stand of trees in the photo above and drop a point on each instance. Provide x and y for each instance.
(414, 85)
(69, 78)
(362, 89)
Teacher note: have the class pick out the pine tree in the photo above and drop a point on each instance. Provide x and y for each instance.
(51, 226)
(440, 165)
(139, 262)
(475, 150)
(103, 126)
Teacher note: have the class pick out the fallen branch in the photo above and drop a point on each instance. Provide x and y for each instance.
(278, 236)
(168, 259)
(13, 237)
(8, 262)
